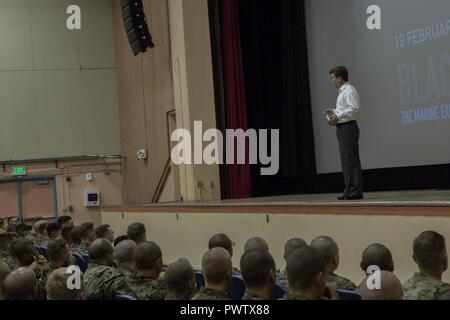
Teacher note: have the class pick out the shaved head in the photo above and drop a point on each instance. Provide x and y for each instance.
(124, 251)
(391, 288)
(221, 241)
(256, 243)
(217, 266)
(4, 272)
(292, 245)
(57, 288)
(148, 256)
(100, 249)
(327, 247)
(377, 255)
(20, 285)
(180, 277)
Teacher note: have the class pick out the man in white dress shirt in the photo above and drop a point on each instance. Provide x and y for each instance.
(344, 118)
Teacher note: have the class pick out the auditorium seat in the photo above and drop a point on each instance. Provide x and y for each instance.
(279, 292)
(348, 295)
(237, 288)
(125, 297)
(80, 262)
(42, 251)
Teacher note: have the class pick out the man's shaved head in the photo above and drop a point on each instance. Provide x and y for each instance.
(303, 266)
(221, 241)
(292, 245)
(391, 288)
(256, 243)
(57, 288)
(257, 267)
(20, 284)
(4, 272)
(148, 256)
(100, 249)
(124, 251)
(180, 277)
(377, 255)
(217, 266)
(327, 247)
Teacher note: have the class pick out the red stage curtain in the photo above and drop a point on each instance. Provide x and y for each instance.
(239, 176)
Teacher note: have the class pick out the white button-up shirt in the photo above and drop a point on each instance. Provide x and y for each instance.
(348, 104)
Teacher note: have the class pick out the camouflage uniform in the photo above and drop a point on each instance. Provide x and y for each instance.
(338, 282)
(210, 294)
(148, 289)
(12, 263)
(105, 283)
(251, 296)
(236, 271)
(422, 287)
(292, 296)
(42, 272)
(127, 272)
(31, 237)
(83, 249)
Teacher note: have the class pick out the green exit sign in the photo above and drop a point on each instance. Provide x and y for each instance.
(19, 171)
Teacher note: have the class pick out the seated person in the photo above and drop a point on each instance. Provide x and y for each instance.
(104, 231)
(258, 271)
(57, 288)
(218, 272)
(27, 254)
(4, 272)
(305, 270)
(390, 288)
(20, 284)
(329, 250)
(430, 254)
(223, 241)
(290, 246)
(124, 253)
(6, 241)
(180, 279)
(137, 233)
(148, 262)
(87, 235)
(102, 281)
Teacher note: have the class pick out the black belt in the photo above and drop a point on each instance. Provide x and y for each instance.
(345, 123)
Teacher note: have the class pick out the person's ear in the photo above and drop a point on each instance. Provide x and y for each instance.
(320, 279)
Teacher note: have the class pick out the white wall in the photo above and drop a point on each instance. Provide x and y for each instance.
(58, 88)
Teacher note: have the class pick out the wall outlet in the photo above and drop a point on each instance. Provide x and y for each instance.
(89, 176)
(142, 154)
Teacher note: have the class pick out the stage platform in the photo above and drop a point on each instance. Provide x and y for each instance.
(414, 203)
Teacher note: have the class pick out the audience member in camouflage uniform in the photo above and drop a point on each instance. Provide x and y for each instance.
(391, 288)
(223, 241)
(4, 272)
(289, 247)
(57, 288)
(180, 279)
(217, 271)
(27, 254)
(305, 268)
(87, 234)
(64, 222)
(148, 262)
(258, 271)
(377, 255)
(430, 254)
(102, 281)
(20, 284)
(41, 239)
(6, 240)
(329, 250)
(104, 231)
(75, 239)
(124, 253)
(137, 232)
(59, 256)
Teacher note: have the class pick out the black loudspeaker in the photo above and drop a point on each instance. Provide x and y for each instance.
(136, 26)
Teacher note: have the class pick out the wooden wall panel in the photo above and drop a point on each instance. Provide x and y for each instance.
(145, 95)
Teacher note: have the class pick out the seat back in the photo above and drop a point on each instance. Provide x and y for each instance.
(42, 251)
(237, 288)
(348, 295)
(279, 291)
(80, 262)
(199, 279)
(125, 297)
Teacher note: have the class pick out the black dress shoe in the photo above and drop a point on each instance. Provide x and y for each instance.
(342, 198)
(360, 197)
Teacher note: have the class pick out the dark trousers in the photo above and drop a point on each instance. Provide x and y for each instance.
(348, 138)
